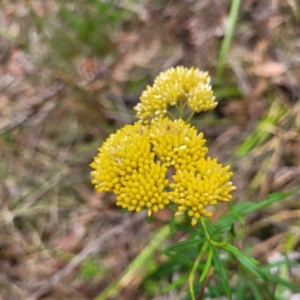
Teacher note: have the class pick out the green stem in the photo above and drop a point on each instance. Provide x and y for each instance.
(205, 228)
(170, 115)
(217, 244)
(180, 107)
(190, 117)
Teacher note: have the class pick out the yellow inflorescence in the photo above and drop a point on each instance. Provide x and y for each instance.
(150, 166)
(120, 154)
(203, 186)
(176, 87)
(125, 165)
(177, 143)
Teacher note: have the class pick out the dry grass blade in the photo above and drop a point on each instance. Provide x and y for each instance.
(36, 195)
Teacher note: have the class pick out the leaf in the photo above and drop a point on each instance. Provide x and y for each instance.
(219, 267)
(272, 198)
(207, 265)
(242, 209)
(237, 215)
(249, 265)
(257, 295)
(273, 278)
(176, 283)
(240, 287)
(184, 245)
(234, 250)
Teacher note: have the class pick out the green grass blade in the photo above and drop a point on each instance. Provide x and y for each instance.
(262, 130)
(235, 4)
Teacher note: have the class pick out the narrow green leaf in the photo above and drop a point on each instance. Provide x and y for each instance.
(272, 198)
(224, 223)
(240, 287)
(285, 262)
(237, 215)
(257, 295)
(219, 267)
(184, 245)
(278, 280)
(176, 283)
(234, 250)
(249, 265)
(207, 265)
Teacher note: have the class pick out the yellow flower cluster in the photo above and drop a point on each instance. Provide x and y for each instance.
(150, 166)
(176, 87)
(177, 143)
(204, 185)
(126, 166)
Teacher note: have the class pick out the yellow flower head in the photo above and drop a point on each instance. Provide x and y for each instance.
(203, 186)
(176, 143)
(176, 87)
(126, 166)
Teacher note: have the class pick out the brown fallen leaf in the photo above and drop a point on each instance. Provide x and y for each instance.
(269, 69)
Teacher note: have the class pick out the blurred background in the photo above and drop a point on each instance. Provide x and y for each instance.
(70, 74)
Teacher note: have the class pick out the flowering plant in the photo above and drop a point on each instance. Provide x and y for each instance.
(161, 161)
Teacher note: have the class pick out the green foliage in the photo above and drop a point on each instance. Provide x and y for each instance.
(262, 131)
(81, 28)
(209, 252)
(92, 23)
(235, 4)
(237, 211)
(90, 269)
